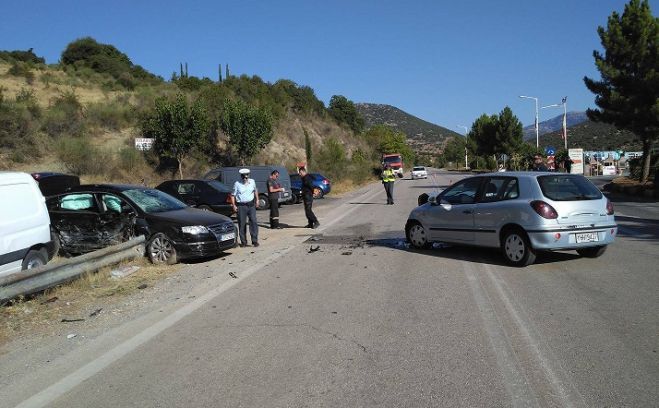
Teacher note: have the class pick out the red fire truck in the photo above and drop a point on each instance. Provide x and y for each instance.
(395, 161)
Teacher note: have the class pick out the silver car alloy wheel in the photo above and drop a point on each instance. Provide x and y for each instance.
(418, 236)
(161, 249)
(515, 247)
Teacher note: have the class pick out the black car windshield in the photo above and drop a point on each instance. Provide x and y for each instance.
(221, 187)
(568, 188)
(153, 201)
(391, 159)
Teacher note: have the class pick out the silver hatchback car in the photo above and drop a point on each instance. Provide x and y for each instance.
(520, 212)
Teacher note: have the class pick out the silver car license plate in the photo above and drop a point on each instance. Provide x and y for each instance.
(226, 237)
(586, 237)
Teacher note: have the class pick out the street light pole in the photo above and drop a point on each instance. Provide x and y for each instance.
(537, 133)
(557, 105)
(466, 135)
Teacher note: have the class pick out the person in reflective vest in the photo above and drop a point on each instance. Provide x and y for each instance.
(388, 178)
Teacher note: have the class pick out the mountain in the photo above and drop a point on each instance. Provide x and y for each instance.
(423, 136)
(593, 136)
(555, 124)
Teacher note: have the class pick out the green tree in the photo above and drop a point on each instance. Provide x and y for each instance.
(249, 128)
(454, 151)
(176, 127)
(484, 134)
(387, 140)
(627, 92)
(307, 147)
(344, 111)
(509, 132)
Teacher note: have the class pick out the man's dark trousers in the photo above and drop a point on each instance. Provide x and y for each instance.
(389, 189)
(274, 210)
(311, 217)
(247, 211)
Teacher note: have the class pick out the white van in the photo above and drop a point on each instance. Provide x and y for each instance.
(25, 241)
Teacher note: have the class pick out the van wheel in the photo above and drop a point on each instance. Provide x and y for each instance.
(516, 248)
(35, 258)
(161, 250)
(264, 202)
(592, 252)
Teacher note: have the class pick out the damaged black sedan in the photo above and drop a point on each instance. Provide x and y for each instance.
(90, 217)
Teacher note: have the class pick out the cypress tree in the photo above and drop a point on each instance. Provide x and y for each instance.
(307, 146)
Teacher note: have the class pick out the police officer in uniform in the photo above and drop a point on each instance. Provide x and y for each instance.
(245, 201)
(274, 188)
(388, 178)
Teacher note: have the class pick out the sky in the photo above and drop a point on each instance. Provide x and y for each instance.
(446, 62)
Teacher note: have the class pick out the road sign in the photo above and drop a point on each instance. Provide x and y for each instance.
(550, 151)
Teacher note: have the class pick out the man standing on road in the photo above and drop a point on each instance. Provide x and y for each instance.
(274, 188)
(388, 178)
(245, 201)
(307, 197)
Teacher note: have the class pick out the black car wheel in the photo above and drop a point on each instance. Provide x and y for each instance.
(161, 250)
(516, 248)
(416, 235)
(592, 252)
(35, 258)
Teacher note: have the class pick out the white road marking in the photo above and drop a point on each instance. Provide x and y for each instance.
(516, 383)
(558, 379)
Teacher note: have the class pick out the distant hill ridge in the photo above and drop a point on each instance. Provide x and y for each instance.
(554, 124)
(423, 136)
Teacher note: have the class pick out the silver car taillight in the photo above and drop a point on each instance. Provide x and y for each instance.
(544, 210)
(609, 207)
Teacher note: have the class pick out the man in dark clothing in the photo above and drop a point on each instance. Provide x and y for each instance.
(538, 164)
(274, 188)
(307, 197)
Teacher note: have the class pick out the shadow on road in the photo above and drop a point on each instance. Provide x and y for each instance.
(368, 203)
(638, 229)
(464, 253)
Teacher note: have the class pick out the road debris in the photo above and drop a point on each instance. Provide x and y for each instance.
(124, 271)
(72, 320)
(312, 249)
(233, 275)
(346, 253)
(72, 335)
(95, 312)
(142, 286)
(51, 300)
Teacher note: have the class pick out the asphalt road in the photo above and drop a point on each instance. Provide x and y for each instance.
(364, 321)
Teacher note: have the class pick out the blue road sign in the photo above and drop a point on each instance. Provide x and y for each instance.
(550, 150)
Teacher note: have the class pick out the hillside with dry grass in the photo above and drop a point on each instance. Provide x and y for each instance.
(74, 120)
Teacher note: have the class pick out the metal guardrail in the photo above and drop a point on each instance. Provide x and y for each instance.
(30, 281)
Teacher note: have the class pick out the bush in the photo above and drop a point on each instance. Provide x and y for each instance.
(331, 160)
(22, 69)
(130, 159)
(65, 116)
(113, 115)
(79, 156)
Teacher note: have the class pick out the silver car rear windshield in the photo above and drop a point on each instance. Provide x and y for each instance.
(154, 201)
(417, 168)
(565, 187)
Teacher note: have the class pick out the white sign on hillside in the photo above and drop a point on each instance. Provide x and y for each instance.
(143, 143)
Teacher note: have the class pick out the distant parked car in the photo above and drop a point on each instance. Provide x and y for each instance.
(322, 186)
(260, 174)
(54, 183)
(209, 195)
(419, 172)
(519, 212)
(90, 217)
(25, 240)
